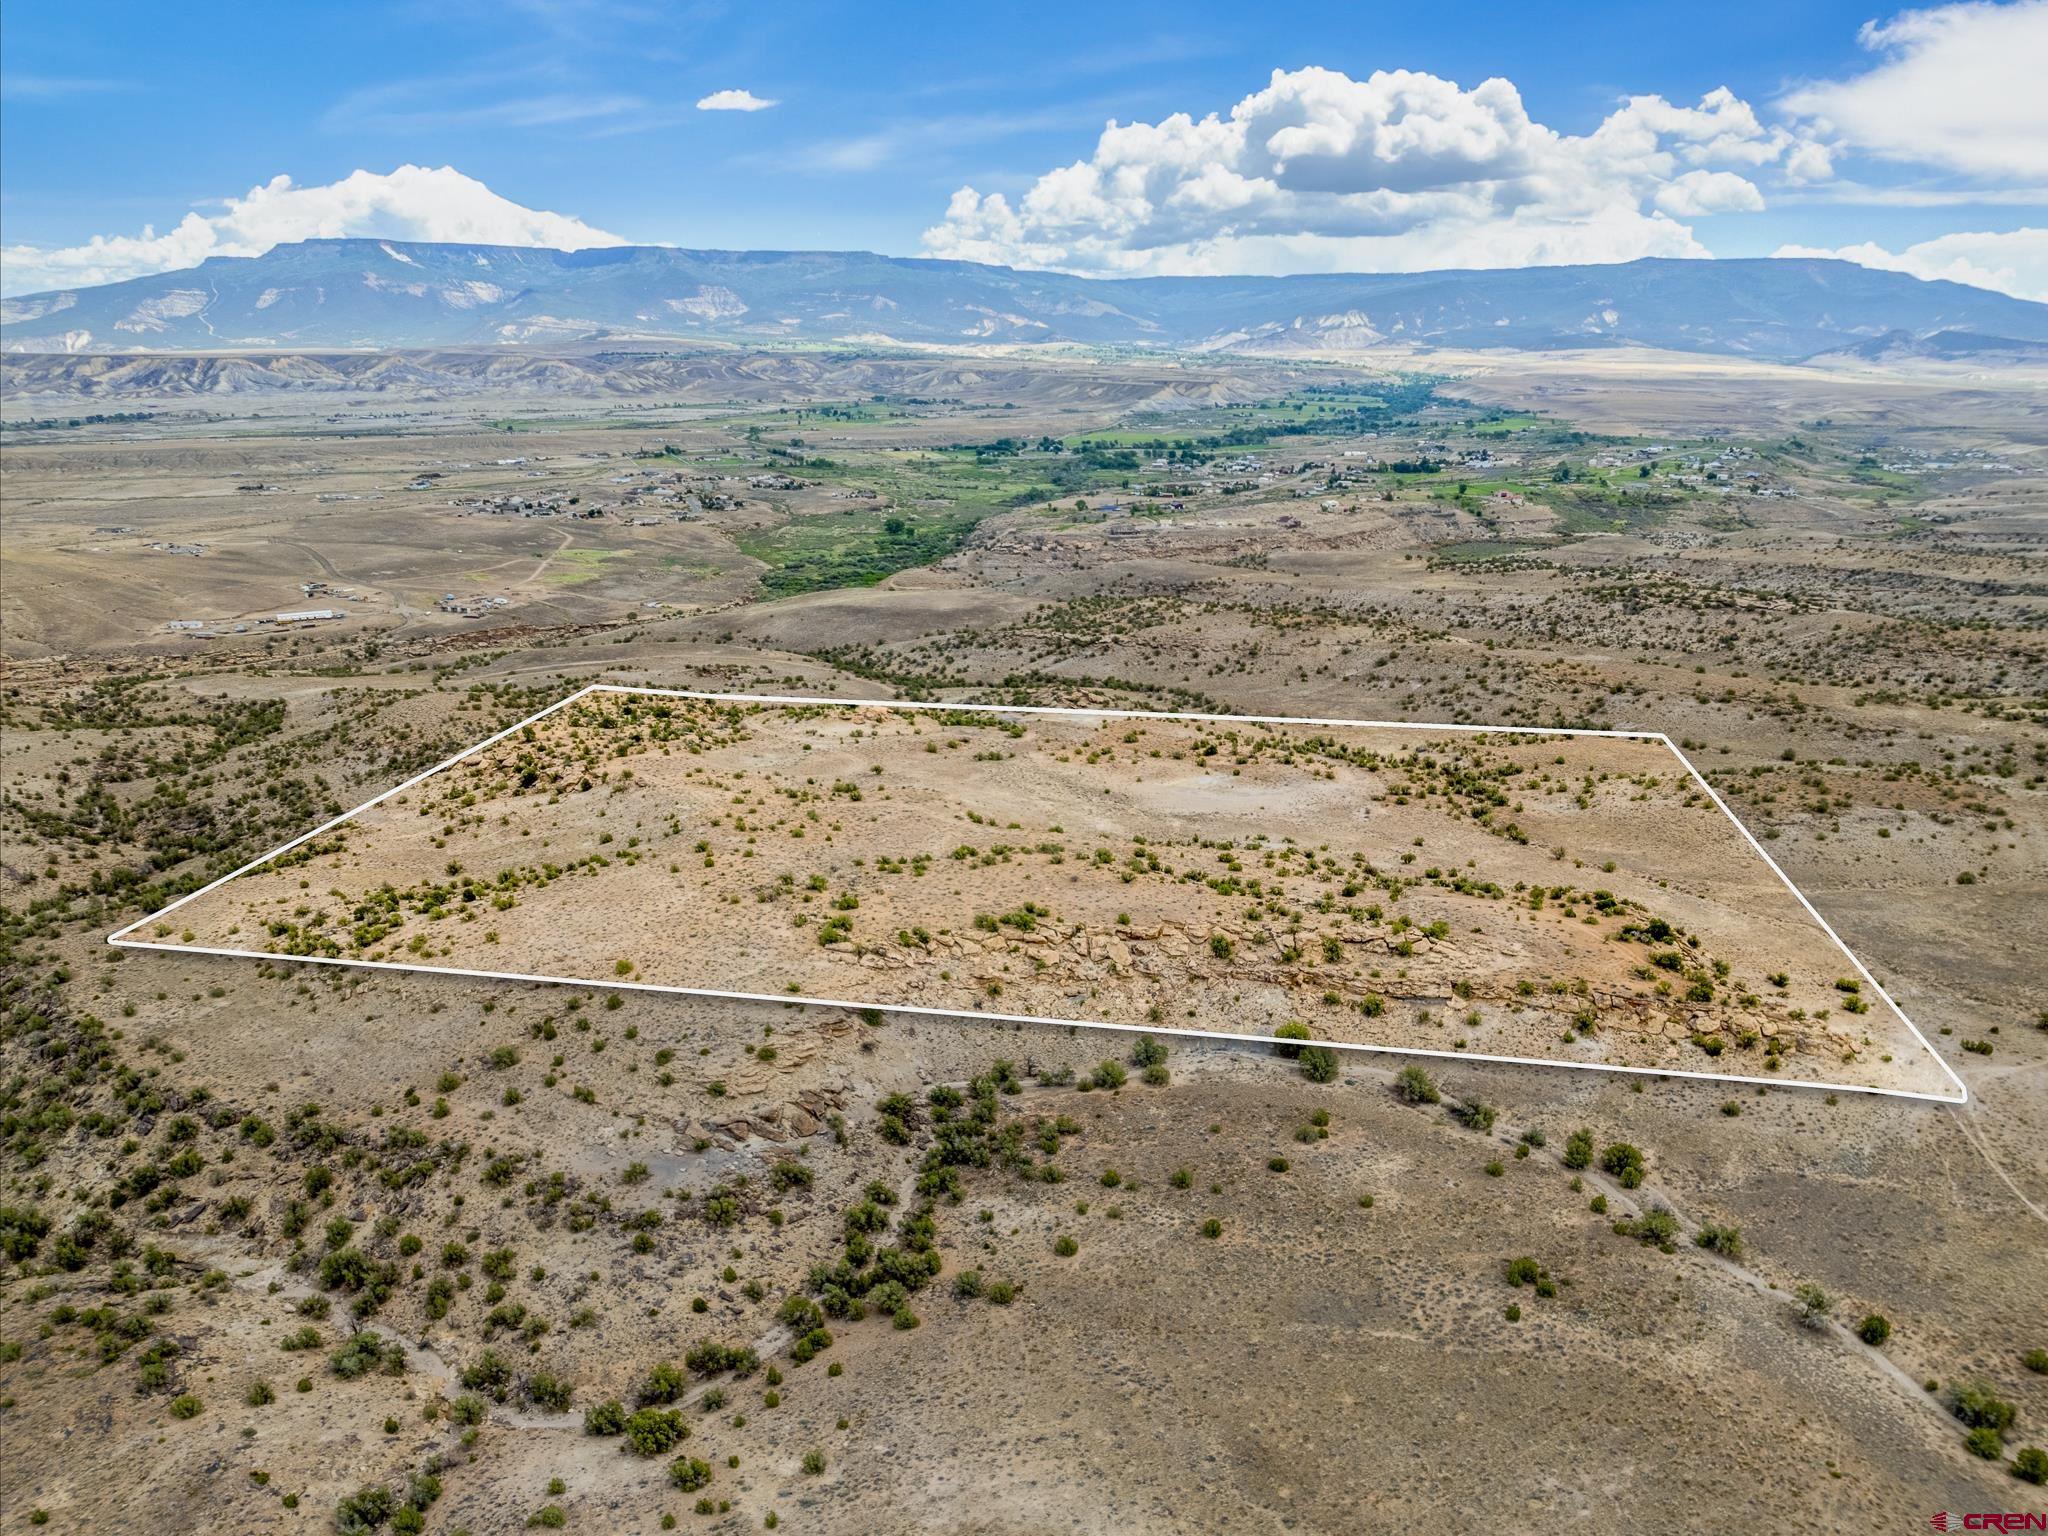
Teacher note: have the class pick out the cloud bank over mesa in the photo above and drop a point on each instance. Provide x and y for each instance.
(1395, 170)
(411, 203)
(2014, 262)
(1401, 171)
(1407, 171)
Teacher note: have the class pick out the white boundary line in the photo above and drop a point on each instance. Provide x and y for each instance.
(120, 936)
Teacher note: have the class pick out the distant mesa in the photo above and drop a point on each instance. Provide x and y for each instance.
(378, 295)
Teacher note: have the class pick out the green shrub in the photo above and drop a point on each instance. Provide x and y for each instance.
(1319, 1064)
(1715, 1238)
(488, 1373)
(688, 1473)
(605, 1418)
(1578, 1149)
(1656, 1226)
(1148, 1052)
(814, 1462)
(708, 1358)
(1412, 1085)
(1986, 1442)
(664, 1384)
(1980, 1408)
(365, 1353)
(546, 1390)
(186, 1407)
(1624, 1162)
(1475, 1116)
(655, 1431)
(22, 1230)
(1874, 1329)
(364, 1510)
(1814, 1304)
(2030, 1464)
(1292, 1030)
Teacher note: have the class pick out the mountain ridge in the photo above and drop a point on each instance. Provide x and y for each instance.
(382, 295)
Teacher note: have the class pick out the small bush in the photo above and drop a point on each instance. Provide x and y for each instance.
(1814, 1304)
(1578, 1150)
(605, 1418)
(1986, 1442)
(814, 1462)
(1412, 1085)
(186, 1407)
(1715, 1238)
(1655, 1226)
(488, 1373)
(1319, 1064)
(688, 1473)
(1874, 1329)
(364, 1510)
(2030, 1464)
(546, 1390)
(655, 1431)
(1475, 1116)
(664, 1384)
(707, 1358)
(364, 1354)
(1980, 1408)
(1624, 1162)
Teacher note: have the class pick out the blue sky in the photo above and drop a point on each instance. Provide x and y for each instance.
(116, 116)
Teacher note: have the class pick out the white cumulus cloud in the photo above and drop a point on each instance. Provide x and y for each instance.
(1401, 171)
(734, 101)
(411, 203)
(2014, 261)
(1958, 86)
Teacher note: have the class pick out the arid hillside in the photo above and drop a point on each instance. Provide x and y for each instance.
(313, 1248)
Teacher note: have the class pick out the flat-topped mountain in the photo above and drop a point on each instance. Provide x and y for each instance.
(386, 294)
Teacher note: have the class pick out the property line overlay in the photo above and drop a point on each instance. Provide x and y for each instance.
(121, 938)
